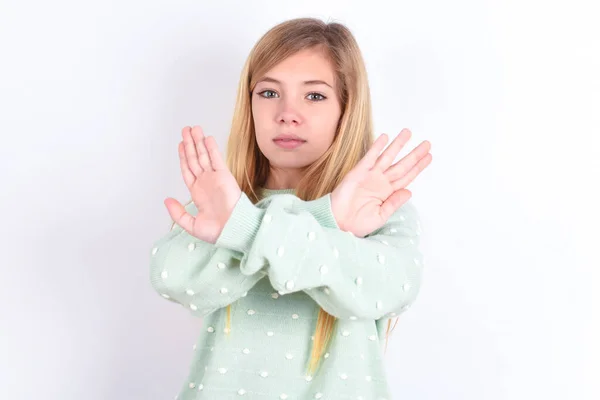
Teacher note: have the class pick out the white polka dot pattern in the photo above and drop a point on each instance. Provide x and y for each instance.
(360, 281)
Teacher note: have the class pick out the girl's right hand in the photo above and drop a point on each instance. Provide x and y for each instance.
(374, 189)
(214, 190)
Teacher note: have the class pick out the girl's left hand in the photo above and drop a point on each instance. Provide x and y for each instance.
(374, 189)
(213, 188)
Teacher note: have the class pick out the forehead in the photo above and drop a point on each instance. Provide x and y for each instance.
(302, 66)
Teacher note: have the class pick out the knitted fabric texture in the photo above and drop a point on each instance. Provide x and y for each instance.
(276, 263)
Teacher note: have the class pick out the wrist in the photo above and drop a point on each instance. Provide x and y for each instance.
(322, 210)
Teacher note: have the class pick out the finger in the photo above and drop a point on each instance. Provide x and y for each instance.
(370, 157)
(399, 169)
(179, 215)
(393, 203)
(190, 152)
(389, 154)
(412, 174)
(203, 159)
(188, 176)
(215, 156)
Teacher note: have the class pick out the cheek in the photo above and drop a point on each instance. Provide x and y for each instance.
(258, 117)
(261, 118)
(326, 123)
(262, 113)
(255, 108)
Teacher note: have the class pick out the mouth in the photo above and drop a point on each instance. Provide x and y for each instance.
(289, 141)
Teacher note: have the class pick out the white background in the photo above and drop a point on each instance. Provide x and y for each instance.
(93, 96)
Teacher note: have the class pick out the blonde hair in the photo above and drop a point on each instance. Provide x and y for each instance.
(352, 140)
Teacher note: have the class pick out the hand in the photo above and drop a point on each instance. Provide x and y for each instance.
(214, 190)
(373, 190)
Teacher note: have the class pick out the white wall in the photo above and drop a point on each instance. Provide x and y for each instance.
(92, 100)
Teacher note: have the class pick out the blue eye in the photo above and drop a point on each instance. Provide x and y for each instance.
(271, 94)
(265, 95)
(320, 97)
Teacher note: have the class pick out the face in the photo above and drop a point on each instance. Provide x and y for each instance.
(296, 111)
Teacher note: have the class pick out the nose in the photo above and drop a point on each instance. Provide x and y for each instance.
(288, 114)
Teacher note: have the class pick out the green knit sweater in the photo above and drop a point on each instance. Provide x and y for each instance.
(277, 263)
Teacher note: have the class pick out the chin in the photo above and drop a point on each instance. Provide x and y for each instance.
(290, 161)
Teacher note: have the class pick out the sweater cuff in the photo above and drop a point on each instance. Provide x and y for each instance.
(321, 210)
(241, 227)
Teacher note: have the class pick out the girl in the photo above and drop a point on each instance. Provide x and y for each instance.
(299, 249)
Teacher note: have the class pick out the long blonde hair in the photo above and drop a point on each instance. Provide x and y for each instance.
(352, 140)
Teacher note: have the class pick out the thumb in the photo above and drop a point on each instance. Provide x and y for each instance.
(394, 202)
(179, 215)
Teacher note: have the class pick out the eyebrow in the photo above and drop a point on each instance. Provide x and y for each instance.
(311, 82)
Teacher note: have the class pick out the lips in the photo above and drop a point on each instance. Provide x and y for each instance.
(289, 141)
(289, 137)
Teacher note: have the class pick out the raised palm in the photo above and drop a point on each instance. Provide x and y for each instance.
(212, 187)
(373, 190)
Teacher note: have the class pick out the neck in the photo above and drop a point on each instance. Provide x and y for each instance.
(279, 179)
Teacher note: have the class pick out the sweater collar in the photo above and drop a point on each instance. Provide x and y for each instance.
(264, 192)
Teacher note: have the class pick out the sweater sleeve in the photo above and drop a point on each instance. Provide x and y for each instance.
(197, 274)
(374, 277)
